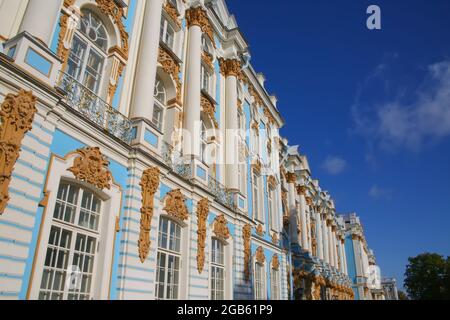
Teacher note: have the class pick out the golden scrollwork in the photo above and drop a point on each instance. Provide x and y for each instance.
(209, 109)
(309, 201)
(275, 239)
(92, 167)
(247, 234)
(260, 256)
(175, 205)
(171, 67)
(255, 126)
(149, 186)
(172, 12)
(257, 166)
(257, 98)
(199, 17)
(16, 114)
(301, 190)
(269, 146)
(260, 230)
(221, 227)
(112, 9)
(202, 216)
(230, 67)
(208, 59)
(272, 181)
(275, 262)
(270, 117)
(291, 177)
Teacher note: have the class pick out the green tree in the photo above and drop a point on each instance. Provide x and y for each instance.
(425, 277)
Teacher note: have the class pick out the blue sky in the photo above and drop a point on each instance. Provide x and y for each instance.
(370, 109)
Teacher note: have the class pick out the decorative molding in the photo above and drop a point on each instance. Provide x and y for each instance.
(257, 98)
(259, 255)
(16, 117)
(291, 177)
(269, 146)
(208, 59)
(301, 190)
(92, 167)
(255, 126)
(199, 17)
(202, 216)
(221, 227)
(172, 12)
(269, 116)
(230, 67)
(275, 239)
(149, 186)
(247, 234)
(257, 166)
(175, 205)
(112, 9)
(260, 230)
(272, 181)
(209, 109)
(171, 67)
(275, 262)
(309, 201)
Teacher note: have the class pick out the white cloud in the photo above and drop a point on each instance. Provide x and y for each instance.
(424, 118)
(377, 192)
(334, 165)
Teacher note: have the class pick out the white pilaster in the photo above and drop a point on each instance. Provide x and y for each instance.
(326, 255)
(40, 19)
(292, 194)
(319, 236)
(147, 62)
(305, 244)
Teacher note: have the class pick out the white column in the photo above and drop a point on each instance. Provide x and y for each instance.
(147, 62)
(305, 244)
(326, 255)
(231, 68)
(191, 121)
(40, 19)
(341, 257)
(333, 235)
(319, 236)
(291, 180)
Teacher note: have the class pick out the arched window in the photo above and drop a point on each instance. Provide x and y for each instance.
(168, 260)
(72, 245)
(217, 270)
(160, 103)
(89, 51)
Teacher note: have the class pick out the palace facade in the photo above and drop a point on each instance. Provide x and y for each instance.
(141, 159)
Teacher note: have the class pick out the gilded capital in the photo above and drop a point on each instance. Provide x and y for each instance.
(230, 67)
(199, 17)
(291, 177)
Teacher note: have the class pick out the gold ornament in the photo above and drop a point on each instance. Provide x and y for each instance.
(260, 257)
(175, 205)
(221, 227)
(16, 114)
(202, 216)
(247, 233)
(92, 167)
(149, 185)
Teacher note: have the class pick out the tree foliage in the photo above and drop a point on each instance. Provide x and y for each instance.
(427, 277)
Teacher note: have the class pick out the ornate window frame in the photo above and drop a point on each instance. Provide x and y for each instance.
(111, 210)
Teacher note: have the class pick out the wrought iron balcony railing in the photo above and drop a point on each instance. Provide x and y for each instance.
(96, 110)
(174, 160)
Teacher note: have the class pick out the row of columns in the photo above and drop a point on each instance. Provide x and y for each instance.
(330, 246)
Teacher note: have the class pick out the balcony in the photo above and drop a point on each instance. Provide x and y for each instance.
(94, 109)
(174, 160)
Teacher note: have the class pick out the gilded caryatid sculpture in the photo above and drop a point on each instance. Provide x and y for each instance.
(16, 114)
(149, 186)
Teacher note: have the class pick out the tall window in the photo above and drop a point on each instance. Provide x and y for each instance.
(160, 103)
(168, 260)
(203, 143)
(217, 270)
(260, 283)
(167, 33)
(271, 207)
(255, 185)
(88, 54)
(72, 245)
(275, 284)
(206, 79)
